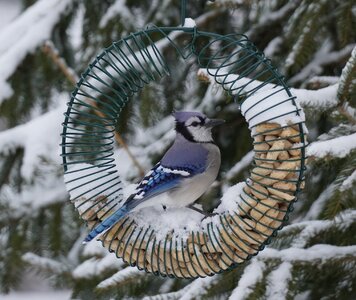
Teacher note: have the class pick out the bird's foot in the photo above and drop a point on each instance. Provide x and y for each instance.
(191, 206)
(206, 214)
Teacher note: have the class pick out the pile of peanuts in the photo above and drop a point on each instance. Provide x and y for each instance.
(262, 206)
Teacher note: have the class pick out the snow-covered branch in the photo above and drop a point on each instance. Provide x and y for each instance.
(119, 277)
(252, 274)
(277, 282)
(321, 99)
(94, 267)
(166, 296)
(198, 288)
(240, 165)
(269, 19)
(348, 182)
(337, 147)
(319, 203)
(45, 264)
(39, 138)
(119, 10)
(315, 253)
(324, 98)
(31, 199)
(321, 59)
(310, 228)
(195, 290)
(24, 35)
(347, 78)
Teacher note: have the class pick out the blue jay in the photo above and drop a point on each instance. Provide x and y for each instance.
(185, 172)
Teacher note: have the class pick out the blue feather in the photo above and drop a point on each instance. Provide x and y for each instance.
(159, 180)
(107, 223)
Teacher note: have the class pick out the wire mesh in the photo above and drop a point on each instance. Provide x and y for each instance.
(277, 126)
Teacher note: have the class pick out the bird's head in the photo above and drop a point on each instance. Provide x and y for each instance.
(195, 126)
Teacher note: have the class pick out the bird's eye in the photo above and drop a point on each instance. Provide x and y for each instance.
(195, 124)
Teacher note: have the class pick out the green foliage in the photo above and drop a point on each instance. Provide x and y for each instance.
(11, 258)
(342, 198)
(52, 230)
(304, 34)
(327, 282)
(340, 236)
(347, 85)
(345, 23)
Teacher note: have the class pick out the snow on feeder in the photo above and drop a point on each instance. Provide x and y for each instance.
(250, 213)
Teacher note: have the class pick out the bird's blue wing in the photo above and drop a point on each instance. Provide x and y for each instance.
(159, 180)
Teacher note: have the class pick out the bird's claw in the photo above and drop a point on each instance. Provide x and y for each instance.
(206, 215)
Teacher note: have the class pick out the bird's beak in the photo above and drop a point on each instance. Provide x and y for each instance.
(214, 122)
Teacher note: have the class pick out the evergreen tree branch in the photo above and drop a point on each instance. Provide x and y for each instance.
(95, 266)
(278, 280)
(119, 9)
(273, 46)
(49, 49)
(338, 147)
(167, 296)
(269, 20)
(322, 58)
(321, 99)
(307, 26)
(121, 277)
(252, 274)
(299, 46)
(302, 233)
(73, 255)
(347, 80)
(348, 182)
(319, 204)
(281, 273)
(17, 39)
(240, 165)
(198, 288)
(343, 197)
(348, 112)
(194, 290)
(154, 8)
(312, 228)
(317, 82)
(316, 253)
(45, 264)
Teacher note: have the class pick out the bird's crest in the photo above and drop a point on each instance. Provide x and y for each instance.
(183, 116)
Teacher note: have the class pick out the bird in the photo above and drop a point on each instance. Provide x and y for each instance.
(184, 173)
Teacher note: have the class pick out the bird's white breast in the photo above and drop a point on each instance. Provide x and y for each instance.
(192, 188)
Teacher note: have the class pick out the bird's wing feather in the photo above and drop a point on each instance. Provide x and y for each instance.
(159, 180)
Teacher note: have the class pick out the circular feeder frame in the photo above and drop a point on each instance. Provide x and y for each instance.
(277, 174)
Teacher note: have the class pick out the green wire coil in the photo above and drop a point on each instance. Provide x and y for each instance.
(102, 92)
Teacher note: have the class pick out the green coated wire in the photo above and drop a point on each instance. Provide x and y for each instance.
(183, 7)
(122, 70)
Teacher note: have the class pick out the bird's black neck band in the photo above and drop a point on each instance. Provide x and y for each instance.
(180, 128)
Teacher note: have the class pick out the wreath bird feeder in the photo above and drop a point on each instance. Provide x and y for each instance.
(262, 203)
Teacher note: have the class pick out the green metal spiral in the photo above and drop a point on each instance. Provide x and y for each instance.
(102, 92)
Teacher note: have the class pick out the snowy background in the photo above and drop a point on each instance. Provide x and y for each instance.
(46, 44)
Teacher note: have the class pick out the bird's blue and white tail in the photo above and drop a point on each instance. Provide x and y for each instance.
(107, 223)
